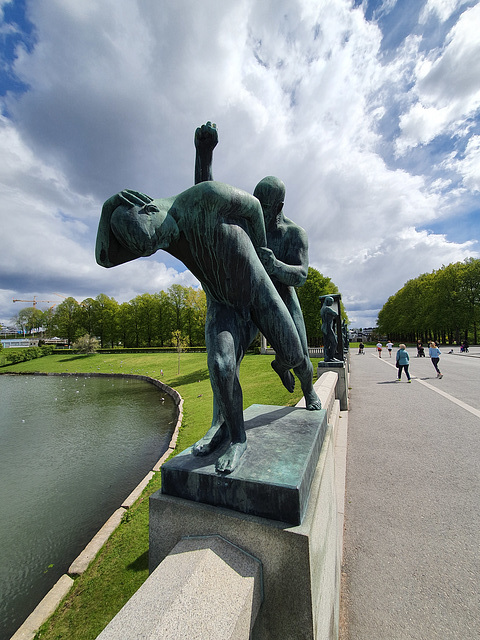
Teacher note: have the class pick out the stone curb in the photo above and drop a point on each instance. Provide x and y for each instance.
(137, 492)
(44, 609)
(80, 564)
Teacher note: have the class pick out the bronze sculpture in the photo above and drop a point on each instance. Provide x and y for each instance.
(218, 232)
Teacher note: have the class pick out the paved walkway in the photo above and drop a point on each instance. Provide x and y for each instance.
(411, 567)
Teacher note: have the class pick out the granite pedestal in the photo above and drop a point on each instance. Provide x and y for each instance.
(169, 605)
(301, 567)
(274, 475)
(341, 392)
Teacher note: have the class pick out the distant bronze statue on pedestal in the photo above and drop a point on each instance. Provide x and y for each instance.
(329, 318)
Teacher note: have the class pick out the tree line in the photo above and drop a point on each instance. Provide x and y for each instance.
(441, 306)
(148, 320)
(155, 319)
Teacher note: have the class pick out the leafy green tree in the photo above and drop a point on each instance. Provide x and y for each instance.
(470, 293)
(164, 317)
(66, 320)
(177, 296)
(124, 324)
(195, 314)
(442, 305)
(449, 307)
(387, 319)
(136, 321)
(105, 313)
(149, 314)
(88, 315)
(30, 318)
(48, 321)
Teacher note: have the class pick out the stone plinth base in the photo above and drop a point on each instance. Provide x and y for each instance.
(341, 392)
(205, 588)
(274, 475)
(301, 568)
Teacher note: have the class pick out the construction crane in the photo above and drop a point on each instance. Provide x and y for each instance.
(34, 301)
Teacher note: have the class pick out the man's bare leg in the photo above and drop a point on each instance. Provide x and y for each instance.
(226, 334)
(273, 319)
(305, 375)
(304, 371)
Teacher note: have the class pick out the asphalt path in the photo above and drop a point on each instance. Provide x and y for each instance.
(411, 565)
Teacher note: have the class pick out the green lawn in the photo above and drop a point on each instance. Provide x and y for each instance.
(122, 565)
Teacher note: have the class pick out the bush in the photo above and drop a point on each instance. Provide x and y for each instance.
(14, 356)
(86, 344)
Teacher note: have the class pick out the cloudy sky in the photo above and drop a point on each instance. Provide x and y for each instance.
(369, 111)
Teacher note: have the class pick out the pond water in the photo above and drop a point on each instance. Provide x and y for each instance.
(71, 450)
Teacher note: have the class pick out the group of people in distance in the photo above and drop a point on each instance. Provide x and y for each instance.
(403, 359)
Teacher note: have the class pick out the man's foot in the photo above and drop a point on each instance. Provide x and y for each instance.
(230, 459)
(397, 380)
(312, 401)
(210, 441)
(409, 380)
(286, 377)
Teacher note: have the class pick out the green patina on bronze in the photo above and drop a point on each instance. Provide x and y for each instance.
(218, 232)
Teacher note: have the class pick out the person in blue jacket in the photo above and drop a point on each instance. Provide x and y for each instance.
(402, 362)
(435, 353)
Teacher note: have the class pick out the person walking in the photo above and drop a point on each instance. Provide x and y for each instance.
(435, 353)
(390, 347)
(379, 349)
(403, 360)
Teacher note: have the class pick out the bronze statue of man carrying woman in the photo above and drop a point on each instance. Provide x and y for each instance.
(218, 232)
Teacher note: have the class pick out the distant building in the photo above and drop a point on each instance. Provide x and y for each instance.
(19, 342)
(361, 334)
(59, 342)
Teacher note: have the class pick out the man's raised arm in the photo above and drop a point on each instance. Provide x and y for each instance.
(206, 139)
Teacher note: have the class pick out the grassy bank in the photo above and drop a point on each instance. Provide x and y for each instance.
(122, 565)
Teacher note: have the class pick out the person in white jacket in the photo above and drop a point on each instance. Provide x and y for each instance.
(435, 353)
